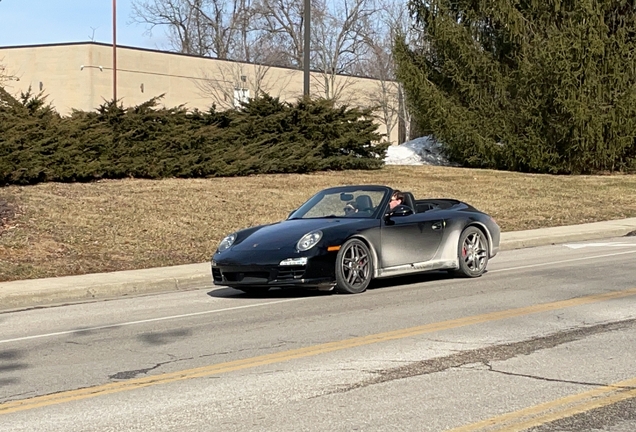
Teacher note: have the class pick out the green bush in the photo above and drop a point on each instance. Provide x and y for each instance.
(144, 141)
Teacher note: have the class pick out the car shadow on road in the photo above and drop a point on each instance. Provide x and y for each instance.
(274, 293)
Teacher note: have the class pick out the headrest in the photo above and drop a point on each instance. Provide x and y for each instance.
(364, 202)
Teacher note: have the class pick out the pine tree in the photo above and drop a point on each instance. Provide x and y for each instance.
(528, 85)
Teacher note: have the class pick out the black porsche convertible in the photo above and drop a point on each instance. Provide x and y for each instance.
(343, 237)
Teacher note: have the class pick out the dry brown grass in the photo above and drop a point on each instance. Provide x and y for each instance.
(65, 229)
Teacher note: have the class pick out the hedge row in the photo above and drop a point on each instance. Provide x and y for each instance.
(147, 141)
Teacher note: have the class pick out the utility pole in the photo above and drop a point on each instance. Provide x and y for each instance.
(307, 34)
(115, 51)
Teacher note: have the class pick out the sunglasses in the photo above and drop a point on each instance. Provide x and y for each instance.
(349, 209)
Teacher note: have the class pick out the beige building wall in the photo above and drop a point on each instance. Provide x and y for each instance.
(80, 76)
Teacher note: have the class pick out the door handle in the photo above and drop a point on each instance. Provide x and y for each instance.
(437, 225)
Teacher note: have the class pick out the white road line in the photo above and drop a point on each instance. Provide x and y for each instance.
(165, 318)
(40, 336)
(561, 262)
(584, 245)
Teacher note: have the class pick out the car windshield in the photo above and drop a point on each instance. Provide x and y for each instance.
(350, 202)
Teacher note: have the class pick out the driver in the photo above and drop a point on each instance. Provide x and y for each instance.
(396, 199)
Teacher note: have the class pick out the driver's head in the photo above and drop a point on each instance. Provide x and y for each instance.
(396, 199)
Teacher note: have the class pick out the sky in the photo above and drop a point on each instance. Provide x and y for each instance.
(32, 22)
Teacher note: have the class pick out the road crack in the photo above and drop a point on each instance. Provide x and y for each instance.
(125, 375)
(11, 398)
(564, 381)
(485, 356)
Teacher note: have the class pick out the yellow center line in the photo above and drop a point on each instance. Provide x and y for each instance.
(569, 412)
(267, 359)
(554, 410)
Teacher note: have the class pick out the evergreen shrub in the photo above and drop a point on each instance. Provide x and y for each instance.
(265, 135)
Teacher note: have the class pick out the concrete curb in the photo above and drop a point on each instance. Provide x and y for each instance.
(70, 289)
(571, 233)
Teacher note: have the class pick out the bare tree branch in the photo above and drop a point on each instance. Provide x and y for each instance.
(280, 25)
(349, 37)
(225, 80)
(217, 28)
(340, 40)
(388, 95)
(5, 75)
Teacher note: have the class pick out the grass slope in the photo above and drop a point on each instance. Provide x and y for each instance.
(66, 229)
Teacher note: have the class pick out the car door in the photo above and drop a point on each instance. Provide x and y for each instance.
(410, 239)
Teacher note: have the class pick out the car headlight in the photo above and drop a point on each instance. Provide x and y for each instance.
(308, 241)
(226, 242)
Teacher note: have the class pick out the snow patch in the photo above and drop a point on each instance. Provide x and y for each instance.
(420, 151)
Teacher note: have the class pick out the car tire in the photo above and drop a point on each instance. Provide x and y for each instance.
(472, 253)
(354, 267)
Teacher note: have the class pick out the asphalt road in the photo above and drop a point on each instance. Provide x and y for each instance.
(544, 341)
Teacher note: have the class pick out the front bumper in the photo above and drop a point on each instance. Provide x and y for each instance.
(318, 273)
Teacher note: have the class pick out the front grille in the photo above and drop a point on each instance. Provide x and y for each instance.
(246, 276)
(290, 272)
